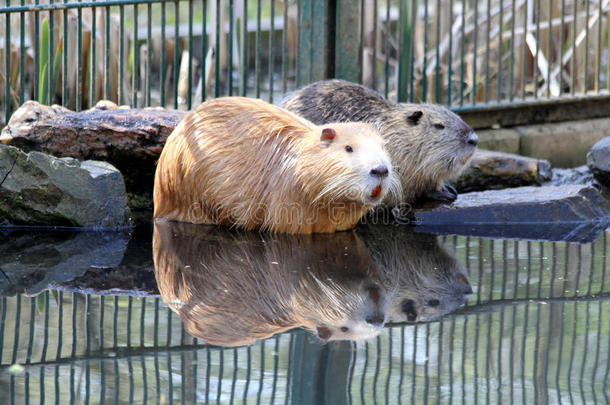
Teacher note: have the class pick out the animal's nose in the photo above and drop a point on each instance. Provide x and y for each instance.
(379, 171)
(375, 320)
(472, 139)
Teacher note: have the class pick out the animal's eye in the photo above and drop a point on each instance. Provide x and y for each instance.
(344, 329)
(349, 149)
(434, 303)
(439, 126)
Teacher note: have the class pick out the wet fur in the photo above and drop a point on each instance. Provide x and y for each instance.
(243, 162)
(424, 157)
(232, 288)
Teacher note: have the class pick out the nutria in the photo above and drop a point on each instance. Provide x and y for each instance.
(233, 287)
(423, 278)
(429, 145)
(243, 162)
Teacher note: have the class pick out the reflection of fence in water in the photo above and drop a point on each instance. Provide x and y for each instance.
(548, 339)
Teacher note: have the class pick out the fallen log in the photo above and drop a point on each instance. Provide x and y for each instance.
(130, 139)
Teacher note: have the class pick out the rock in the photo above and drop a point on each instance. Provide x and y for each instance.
(496, 170)
(577, 175)
(35, 261)
(523, 205)
(598, 160)
(130, 139)
(39, 189)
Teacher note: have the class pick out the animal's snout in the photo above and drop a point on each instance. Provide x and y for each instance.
(472, 139)
(375, 320)
(379, 171)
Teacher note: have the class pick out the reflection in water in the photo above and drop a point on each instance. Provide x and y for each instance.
(232, 288)
(425, 280)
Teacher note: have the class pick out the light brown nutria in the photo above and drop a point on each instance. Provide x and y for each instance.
(243, 162)
(428, 144)
(424, 279)
(232, 287)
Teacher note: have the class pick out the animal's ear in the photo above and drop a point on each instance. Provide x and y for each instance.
(414, 118)
(328, 135)
(323, 333)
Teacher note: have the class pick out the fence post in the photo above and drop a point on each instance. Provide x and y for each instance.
(347, 40)
(315, 27)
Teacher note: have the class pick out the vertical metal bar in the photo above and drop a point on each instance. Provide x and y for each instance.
(36, 49)
(51, 63)
(244, 51)
(524, 50)
(32, 325)
(135, 58)
(536, 68)
(586, 50)
(487, 56)
(511, 63)
(60, 329)
(122, 53)
(204, 49)
(462, 45)
(374, 43)
(101, 327)
(262, 371)
(561, 39)
(21, 55)
(598, 62)
(106, 54)
(573, 59)
(92, 69)
(412, 52)
(79, 60)
(388, 366)
(17, 329)
(129, 314)
(45, 335)
(450, 57)
(257, 50)
(149, 52)
(424, 84)
(500, 51)
(377, 368)
(285, 54)
(163, 72)
(386, 47)
(2, 324)
(231, 34)
(437, 68)
(549, 48)
(142, 317)
(475, 34)
(7, 87)
(361, 41)
(189, 94)
(176, 69)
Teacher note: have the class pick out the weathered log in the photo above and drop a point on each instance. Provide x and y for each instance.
(130, 139)
(491, 170)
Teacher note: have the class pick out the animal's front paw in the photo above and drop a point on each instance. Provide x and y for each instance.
(445, 195)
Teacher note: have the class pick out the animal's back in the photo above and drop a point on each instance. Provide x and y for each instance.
(234, 146)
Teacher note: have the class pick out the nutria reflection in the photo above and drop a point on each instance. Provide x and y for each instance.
(424, 280)
(233, 287)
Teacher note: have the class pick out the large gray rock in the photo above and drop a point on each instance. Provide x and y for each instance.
(576, 175)
(522, 205)
(598, 160)
(39, 189)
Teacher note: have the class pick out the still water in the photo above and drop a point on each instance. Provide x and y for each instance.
(381, 315)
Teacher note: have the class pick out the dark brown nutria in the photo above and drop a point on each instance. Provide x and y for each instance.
(428, 144)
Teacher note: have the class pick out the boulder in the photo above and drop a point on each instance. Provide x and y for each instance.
(39, 189)
(522, 205)
(497, 170)
(576, 175)
(598, 160)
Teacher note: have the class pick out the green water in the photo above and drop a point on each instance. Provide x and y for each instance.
(535, 330)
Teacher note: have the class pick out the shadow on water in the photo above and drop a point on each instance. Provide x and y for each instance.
(467, 319)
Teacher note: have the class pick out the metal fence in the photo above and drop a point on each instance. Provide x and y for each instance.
(178, 53)
(536, 331)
